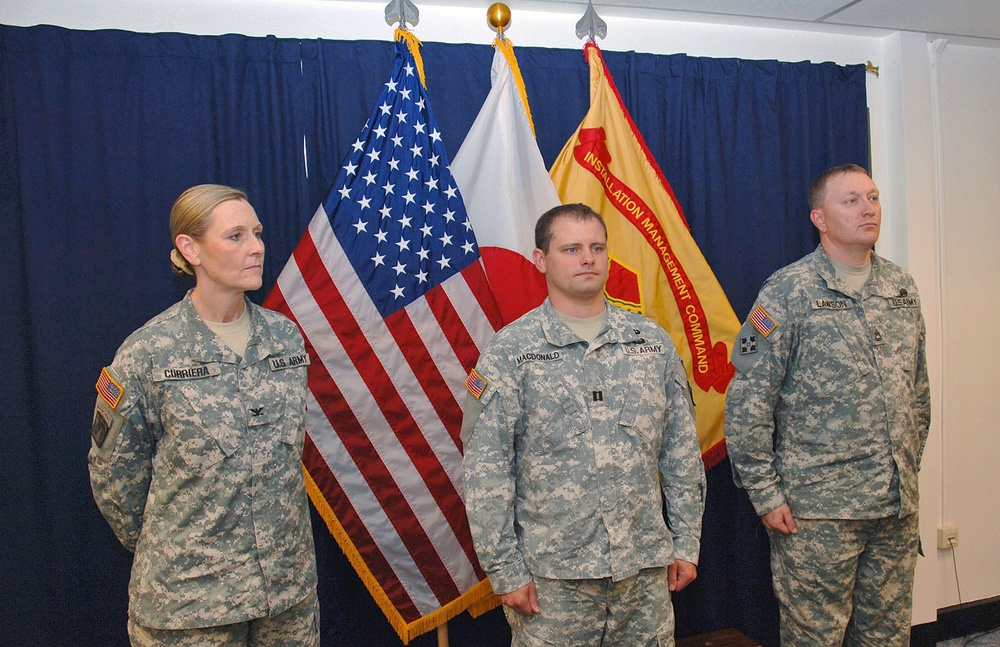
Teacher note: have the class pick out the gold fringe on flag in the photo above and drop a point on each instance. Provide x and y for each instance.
(413, 43)
(477, 600)
(506, 48)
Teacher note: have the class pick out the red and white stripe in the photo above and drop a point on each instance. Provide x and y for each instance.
(384, 416)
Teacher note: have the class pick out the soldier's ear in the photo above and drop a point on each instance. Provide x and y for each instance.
(538, 258)
(818, 219)
(185, 245)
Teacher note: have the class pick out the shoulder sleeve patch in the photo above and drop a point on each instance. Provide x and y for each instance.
(762, 321)
(750, 346)
(109, 389)
(105, 426)
(475, 383)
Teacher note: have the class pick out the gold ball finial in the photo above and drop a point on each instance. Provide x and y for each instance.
(498, 16)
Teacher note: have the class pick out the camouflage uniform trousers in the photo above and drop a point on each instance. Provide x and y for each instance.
(846, 582)
(296, 627)
(635, 611)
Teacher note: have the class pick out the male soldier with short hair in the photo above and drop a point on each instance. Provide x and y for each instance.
(826, 420)
(578, 427)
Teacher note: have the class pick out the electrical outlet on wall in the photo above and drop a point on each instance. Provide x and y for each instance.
(947, 536)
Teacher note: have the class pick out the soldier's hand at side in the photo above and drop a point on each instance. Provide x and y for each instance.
(680, 574)
(523, 600)
(780, 519)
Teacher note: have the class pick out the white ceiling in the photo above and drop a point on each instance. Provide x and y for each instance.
(951, 19)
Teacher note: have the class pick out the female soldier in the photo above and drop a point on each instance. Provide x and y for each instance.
(197, 442)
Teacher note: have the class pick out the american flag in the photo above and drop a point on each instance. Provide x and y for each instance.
(110, 390)
(388, 290)
(762, 321)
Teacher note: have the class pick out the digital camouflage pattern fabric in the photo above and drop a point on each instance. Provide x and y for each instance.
(828, 412)
(566, 446)
(296, 627)
(576, 612)
(196, 467)
(841, 383)
(864, 570)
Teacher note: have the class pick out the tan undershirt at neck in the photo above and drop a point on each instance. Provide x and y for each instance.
(853, 275)
(586, 329)
(235, 334)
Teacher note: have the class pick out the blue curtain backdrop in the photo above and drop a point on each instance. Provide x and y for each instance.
(100, 131)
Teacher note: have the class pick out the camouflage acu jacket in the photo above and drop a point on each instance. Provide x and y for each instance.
(566, 446)
(195, 464)
(830, 405)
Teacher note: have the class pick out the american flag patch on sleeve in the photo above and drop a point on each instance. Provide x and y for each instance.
(110, 390)
(475, 383)
(762, 321)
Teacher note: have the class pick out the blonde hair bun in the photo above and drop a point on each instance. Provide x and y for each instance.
(180, 265)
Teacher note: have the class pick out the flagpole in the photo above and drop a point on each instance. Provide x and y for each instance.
(498, 17)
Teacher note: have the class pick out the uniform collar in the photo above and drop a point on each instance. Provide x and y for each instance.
(617, 328)
(205, 346)
(880, 283)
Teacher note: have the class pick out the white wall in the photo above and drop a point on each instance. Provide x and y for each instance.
(935, 147)
(969, 240)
